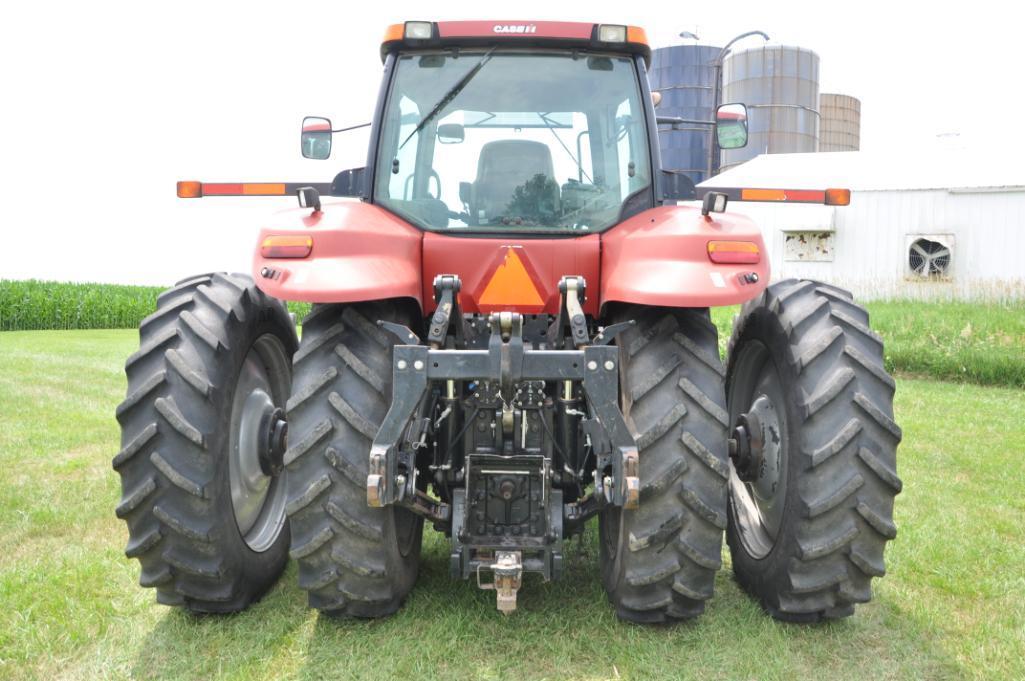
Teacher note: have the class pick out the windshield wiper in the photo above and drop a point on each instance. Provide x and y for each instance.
(450, 95)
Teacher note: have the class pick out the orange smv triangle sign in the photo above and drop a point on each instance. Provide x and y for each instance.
(511, 284)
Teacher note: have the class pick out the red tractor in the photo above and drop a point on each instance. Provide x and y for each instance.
(510, 335)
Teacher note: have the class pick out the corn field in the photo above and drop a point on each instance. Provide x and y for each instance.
(44, 305)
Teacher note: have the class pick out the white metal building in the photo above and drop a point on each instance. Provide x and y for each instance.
(940, 224)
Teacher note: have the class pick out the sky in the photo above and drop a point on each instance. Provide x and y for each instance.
(107, 104)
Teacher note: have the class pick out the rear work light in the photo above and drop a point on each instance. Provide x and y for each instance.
(419, 30)
(734, 252)
(286, 246)
(611, 34)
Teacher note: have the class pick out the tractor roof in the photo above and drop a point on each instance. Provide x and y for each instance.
(570, 34)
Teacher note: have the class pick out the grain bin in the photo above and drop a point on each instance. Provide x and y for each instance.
(780, 86)
(839, 123)
(685, 75)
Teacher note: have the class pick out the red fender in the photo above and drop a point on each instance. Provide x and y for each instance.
(360, 252)
(660, 257)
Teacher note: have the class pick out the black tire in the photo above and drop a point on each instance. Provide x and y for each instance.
(176, 424)
(837, 452)
(353, 559)
(659, 561)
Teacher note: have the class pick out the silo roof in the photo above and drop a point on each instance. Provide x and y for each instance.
(932, 168)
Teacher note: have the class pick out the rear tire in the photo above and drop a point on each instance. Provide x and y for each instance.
(659, 561)
(353, 559)
(213, 341)
(807, 542)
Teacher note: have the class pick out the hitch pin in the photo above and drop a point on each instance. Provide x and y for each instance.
(442, 417)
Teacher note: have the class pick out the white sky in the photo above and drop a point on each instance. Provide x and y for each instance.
(106, 105)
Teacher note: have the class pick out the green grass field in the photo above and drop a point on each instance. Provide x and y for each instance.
(952, 606)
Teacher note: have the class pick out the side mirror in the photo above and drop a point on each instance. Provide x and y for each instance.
(315, 141)
(731, 126)
(451, 133)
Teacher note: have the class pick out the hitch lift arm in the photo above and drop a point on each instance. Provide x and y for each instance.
(505, 362)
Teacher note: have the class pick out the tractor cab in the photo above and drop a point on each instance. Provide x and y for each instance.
(543, 127)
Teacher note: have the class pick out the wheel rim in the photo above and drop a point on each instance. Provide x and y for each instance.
(257, 499)
(759, 504)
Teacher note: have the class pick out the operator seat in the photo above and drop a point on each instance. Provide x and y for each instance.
(503, 166)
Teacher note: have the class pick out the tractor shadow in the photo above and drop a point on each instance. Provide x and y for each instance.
(568, 629)
(450, 629)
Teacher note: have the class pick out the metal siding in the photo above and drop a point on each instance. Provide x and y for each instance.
(780, 86)
(872, 237)
(685, 76)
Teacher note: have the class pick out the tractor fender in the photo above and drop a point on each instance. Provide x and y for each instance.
(361, 252)
(660, 257)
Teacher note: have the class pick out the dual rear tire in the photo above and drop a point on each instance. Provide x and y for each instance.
(807, 534)
(658, 561)
(353, 559)
(204, 520)
(807, 522)
(211, 514)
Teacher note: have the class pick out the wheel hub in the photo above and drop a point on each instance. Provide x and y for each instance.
(273, 442)
(755, 447)
(746, 447)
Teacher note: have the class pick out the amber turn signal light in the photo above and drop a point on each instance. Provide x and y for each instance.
(286, 246)
(190, 190)
(838, 197)
(734, 252)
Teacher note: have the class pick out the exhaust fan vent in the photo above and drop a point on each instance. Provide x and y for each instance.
(928, 258)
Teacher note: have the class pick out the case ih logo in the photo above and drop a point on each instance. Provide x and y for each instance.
(515, 28)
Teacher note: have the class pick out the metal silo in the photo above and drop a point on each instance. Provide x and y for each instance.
(685, 75)
(840, 122)
(780, 85)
